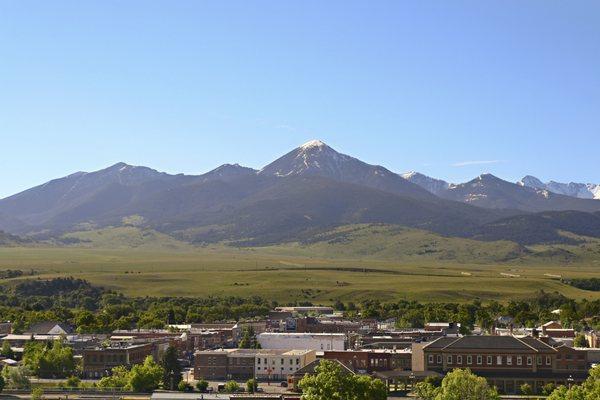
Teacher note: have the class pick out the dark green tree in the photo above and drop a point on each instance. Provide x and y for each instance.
(202, 385)
(248, 340)
(6, 350)
(331, 382)
(580, 341)
(171, 369)
(251, 385)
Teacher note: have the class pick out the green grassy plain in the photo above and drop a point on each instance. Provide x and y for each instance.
(403, 264)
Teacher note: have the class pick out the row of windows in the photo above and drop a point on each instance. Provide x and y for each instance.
(489, 360)
(266, 369)
(258, 361)
(107, 358)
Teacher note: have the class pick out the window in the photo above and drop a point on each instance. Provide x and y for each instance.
(539, 360)
(499, 360)
(297, 361)
(459, 360)
(508, 360)
(469, 360)
(479, 360)
(259, 360)
(282, 361)
(548, 360)
(439, 359)
(489, 360)
(529, 360)
(449, 359)
(519, 360)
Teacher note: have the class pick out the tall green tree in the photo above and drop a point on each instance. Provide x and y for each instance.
(145, 377)
(331, 382)
(248, 340)
(16, 378)
(118, 378)
(460, 384)
(50, 360)
(171, 369)
(589, 390)
(251, 385)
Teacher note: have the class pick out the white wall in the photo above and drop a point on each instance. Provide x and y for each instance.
(298, 341)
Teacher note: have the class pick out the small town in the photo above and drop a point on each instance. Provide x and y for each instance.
(299, 200)
(275, 357)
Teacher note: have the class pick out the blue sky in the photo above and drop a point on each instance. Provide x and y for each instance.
(451, 89)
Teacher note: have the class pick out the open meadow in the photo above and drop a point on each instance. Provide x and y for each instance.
(288, 274)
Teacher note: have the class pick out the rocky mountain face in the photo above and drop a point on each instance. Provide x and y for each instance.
(573, 189)
(315, 158)
(489, 191)
(432, 185)
(308, 190)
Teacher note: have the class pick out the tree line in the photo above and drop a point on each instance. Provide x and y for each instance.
(91, 309)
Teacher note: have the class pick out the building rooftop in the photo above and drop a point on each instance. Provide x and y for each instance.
(254, 352)
(302, 335)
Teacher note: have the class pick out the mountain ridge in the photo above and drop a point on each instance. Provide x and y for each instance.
(573, 189)
(305, 191)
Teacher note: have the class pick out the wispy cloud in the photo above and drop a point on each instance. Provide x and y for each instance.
(480, 162)
(286, 127)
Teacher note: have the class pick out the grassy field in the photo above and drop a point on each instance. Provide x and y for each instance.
(409, 265)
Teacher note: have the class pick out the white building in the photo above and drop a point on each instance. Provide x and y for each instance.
(310, 341)
(278, 364)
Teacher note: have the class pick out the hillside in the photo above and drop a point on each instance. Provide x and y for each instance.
(376, 241)
(7, 239)
(308, 191)
(123, 237)
(569, 227)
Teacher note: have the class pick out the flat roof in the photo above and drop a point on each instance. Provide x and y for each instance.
(291, 334)
(257, 352)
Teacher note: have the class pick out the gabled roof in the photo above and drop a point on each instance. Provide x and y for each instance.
(506, 343)
(44, 328)
(488, 342)
(310, 368)
(440, 343)
(537, 344)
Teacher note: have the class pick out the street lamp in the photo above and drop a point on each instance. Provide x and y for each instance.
(570, 380)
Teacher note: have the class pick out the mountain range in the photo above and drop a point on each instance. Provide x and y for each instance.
(307, 191)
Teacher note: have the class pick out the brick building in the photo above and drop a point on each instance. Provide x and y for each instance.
(507, 361)
(262, 364)
(369, 361)
(98, 361)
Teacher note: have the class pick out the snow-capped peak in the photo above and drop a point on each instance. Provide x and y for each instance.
(410, 174)
(312, 144)
(573, 189)
(531, 181)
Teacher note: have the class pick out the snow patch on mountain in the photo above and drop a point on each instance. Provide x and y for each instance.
(432, 185)
(572, 189)
(313, 143)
